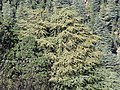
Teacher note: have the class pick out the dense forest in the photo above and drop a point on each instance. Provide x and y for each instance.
(59, 44)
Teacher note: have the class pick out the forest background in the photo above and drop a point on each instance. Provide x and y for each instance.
(59, 45)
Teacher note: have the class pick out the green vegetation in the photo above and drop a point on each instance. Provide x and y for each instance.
(59, 45)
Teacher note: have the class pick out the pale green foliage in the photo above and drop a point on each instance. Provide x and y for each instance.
(76, 57)
(56, 49)
(66, 41)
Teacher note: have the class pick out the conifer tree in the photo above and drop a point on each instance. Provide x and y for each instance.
(67, 69)
(60, 45)
(62, 35)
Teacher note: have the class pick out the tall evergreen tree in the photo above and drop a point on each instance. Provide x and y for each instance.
(55, 49)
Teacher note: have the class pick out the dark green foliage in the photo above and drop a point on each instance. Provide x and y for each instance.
(95, 5)
(59, 44)
(26, 68)
(80, 5)
(105, 25)
(7, 36)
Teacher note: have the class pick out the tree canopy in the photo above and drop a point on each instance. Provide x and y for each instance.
(59, 45)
